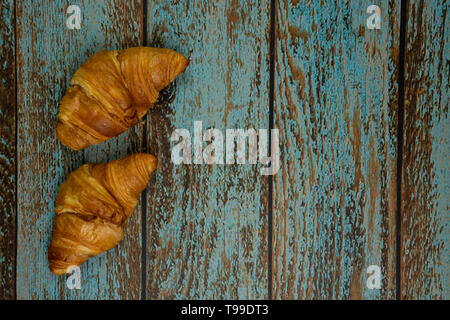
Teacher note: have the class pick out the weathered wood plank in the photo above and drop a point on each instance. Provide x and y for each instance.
(207, 224)
(335, 106)
(7, 151)
(425, 230)
(48, 55)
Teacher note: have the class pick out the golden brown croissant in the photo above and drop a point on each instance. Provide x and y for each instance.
(112, 91)
(92, 207)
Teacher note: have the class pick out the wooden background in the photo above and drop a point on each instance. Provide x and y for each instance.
(364, 140)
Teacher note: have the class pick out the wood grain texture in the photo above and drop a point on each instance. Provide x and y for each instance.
(335, 106)
(207, 225)
(7, 151)
(425, 260)
(48, 55)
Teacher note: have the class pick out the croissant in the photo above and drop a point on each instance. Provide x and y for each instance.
(112, 91)
(92, 207)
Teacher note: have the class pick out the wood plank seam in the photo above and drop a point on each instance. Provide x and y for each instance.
(144, 193)
(400, 120)
(16, 155)
(271, 114)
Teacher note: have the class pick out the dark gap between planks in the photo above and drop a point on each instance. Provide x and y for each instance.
(16, 157)
(144, 193)
(271, 113)
(400, 116)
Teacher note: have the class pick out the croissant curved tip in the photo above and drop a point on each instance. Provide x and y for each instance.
(58, 268)
(70, 138)
(148, 160)
(58, 272)
(187, 62)
(179, 65)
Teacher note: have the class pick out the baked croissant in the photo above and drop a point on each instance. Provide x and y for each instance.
(112, 91)
(92, 207)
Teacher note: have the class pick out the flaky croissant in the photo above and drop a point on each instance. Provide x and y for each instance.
(92, 207)
(112, 91)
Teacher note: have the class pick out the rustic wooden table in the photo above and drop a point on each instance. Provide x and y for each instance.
(364, 141)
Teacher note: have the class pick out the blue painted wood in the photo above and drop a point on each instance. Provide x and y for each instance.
(7, 151)
(425, 252)
(207, 225)
(48, 55)
(336, 109)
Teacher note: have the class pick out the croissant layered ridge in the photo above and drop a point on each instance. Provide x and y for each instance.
(112, 91)
(92, 207)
